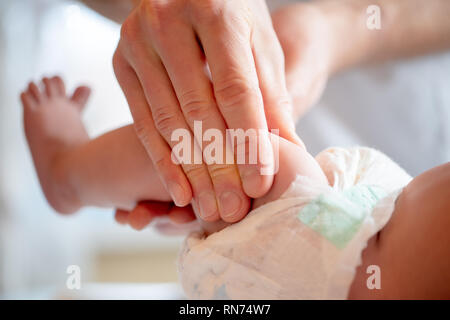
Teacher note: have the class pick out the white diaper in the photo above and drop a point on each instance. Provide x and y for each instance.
(307, 244)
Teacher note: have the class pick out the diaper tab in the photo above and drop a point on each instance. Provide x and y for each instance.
(338, 215)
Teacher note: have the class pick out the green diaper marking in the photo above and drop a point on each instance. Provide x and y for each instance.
(337, 216)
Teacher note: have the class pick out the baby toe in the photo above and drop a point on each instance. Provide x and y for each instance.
(58, 84)
(50, 88)
(122, 216)
(139, 218)
(28, 102)
(34, 92)
(81, 96)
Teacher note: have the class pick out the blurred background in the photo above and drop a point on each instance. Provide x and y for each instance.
(401, 108)
(45, 37)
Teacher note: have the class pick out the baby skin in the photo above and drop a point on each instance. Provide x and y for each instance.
(114, 170)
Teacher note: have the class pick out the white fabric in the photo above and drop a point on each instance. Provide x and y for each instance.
(271, 254)
(402, 108)
(398, 107)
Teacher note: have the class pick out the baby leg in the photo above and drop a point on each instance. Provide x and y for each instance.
(113, 169)
(74, 171)
(413, 249)
(293, 161)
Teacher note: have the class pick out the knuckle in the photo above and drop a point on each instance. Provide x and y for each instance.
(165, 121)
(217, 171)
(281, 103)
(117, 61)
(156, 14)
(194, 106)
(167, 168)
(143, 129)
(120, 66)
(245, 150)
(150, 15)
(162, 163)
(208, 3)
(235, 93)
(194, 172)
(206, 11)
(129, 29)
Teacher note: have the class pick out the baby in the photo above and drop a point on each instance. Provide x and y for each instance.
(412, 250)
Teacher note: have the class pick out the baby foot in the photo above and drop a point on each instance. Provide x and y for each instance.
(53, 127)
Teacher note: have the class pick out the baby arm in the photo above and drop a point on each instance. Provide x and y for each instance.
(113, 170)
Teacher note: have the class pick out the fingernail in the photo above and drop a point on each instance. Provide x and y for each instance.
(207, 204)
(230, 204)
(177, 194)
(252, 178)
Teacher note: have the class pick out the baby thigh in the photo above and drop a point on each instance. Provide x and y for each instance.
(413, 250)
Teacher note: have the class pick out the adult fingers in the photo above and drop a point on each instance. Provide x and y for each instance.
(144, 213)
(226, 42)
(121, 216)
(269, 60)
(171, 125)
(195, 95)
(171, 174)
(181, 215)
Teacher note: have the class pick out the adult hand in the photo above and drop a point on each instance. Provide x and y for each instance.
(304, 34)
(161, 64)
(321, 38)
(177, 220)
(146, 211)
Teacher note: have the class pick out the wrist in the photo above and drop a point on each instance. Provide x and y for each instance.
(351, 43)
(323, 27)
(303, 32)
